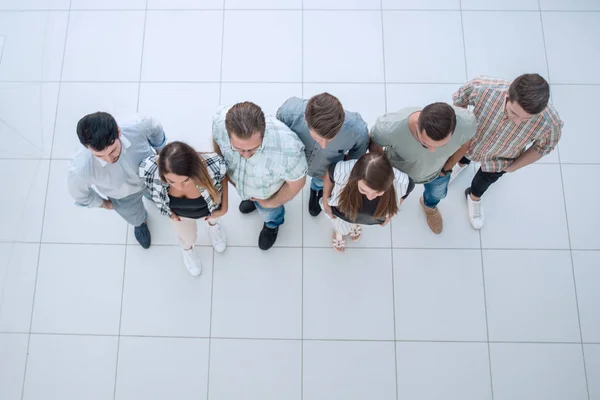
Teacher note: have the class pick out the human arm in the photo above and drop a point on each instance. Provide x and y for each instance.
(287, 192)
(81, 191)
(530, 156)
(380, 135)
(327, 189)
(224, 200)
(466, 95)
(155, 133)
(290, 110)
(361, 143)
(454, 158)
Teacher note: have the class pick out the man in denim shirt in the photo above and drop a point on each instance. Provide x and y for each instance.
(109, 161)
(329, 134)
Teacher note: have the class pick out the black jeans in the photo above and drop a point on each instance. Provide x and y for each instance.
(482, 180)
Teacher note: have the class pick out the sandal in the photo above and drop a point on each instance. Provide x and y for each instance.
(355, 232)
(338, 242)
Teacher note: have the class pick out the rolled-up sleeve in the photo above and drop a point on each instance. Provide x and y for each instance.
(465, 96)
(362, 140)
(81, 191)
(155, 133)
(548, 141)
(296, 168)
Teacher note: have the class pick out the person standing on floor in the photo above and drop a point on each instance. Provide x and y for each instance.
(109, 161)
(187, 186)
(425, 144)
(367, 191)
(266, 163)
(329, 134)
(510, 117)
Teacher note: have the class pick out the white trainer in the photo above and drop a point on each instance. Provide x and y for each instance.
(217, 235)
(456, 170)
(192, 261)
(475, 211)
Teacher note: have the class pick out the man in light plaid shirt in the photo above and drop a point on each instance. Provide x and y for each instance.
(510, 116)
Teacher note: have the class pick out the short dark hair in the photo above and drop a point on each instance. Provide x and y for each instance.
(245, 119)
(438, 120)
(531, 92)
(98, 130)
(325, 115)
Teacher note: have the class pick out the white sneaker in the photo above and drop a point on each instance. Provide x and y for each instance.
(456, 170)
(475, 211)
(217, 235)
(192, 261)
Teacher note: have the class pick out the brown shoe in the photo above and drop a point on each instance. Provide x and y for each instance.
(434, 218)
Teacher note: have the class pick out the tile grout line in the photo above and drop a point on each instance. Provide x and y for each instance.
(562, 183)
(384, 68)
(302, 219)
(464, 43)
(208, 82)
(139, 82)
(297, 10)
(45, 204)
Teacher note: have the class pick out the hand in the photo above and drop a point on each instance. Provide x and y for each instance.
(327, 209)
(216, 214)
(264, 203)
(387, 220)
(509, 169)
(175, 217)
(107, 204)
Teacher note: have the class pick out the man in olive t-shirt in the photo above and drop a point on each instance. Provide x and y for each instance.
(425, 144)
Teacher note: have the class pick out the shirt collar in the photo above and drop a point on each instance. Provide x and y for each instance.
(125, 144)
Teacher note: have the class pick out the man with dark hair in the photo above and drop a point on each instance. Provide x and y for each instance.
(329, 134)
(425, 144)
(510, 116)
(109, 161)
(265, 160)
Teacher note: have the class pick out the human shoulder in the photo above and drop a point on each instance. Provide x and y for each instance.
(552, 118)
(293, 105)
(81, 164)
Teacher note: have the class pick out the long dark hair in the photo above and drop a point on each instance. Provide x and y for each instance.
(378, 174)
(180, 158)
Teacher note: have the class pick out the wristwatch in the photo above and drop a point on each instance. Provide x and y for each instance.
(447, 171)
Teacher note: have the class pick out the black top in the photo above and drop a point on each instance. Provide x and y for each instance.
(189, 208)
(367, 208)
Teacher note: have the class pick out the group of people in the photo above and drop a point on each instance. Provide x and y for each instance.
(358, 177)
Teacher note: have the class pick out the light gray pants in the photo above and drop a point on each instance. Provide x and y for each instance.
(131, 208)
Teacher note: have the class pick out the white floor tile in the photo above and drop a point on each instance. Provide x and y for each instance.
(162, 368)
(185, 4)
(421, 5)
(537, 371)
(529, 5)
(583, 216)
(184, 109)
(587, 275)
(34, 5)
(27, 118)
(257, 294)
(530, 296)
(348, 295)
(592, 362)
(13, 353)
(161, 298)
(269, 96)
(418, 95)
(517, 209)
(503, 52)
(70, 367)
(349, 370)
(341, 4)
(366, 99)
(570, 5)
(452, 371)
(419, 60)
(264, 4)
(244, 229)
(95, 53)
(261, 369)
(347, 54)
(78, 289)
(64, 222)
(33, 45)
(79, 99)
(439, 295)
(108, 4)
(410, 229)
(24, 207)
(18, 266)
(262, 56)
(572, 36)
(183, 46)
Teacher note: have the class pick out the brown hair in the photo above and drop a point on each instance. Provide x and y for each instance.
(245, 119)
(438, 120)
(377, 172)
(325, 115)
(181, 159)
(531, 92)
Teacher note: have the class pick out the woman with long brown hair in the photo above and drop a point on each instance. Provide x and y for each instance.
(367, 191)
(187, 186)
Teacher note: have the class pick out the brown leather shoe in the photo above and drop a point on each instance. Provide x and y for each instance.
(434, 218)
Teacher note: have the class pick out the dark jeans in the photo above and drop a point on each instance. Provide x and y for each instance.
(482, 180)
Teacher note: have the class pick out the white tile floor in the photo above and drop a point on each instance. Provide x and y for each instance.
(509, 313)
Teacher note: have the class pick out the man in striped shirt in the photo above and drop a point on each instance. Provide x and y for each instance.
(510, 116)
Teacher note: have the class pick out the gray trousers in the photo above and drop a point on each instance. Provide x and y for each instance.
(131, 208)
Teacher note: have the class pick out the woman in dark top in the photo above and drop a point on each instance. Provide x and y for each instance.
(367, 191)
(187, 186)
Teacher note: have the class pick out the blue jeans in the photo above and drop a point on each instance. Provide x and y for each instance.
(435, 191)
(316, 183)
(273, 216)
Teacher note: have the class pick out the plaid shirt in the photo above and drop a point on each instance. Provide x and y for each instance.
(148, 171)
(280, 158)
(499, 141)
